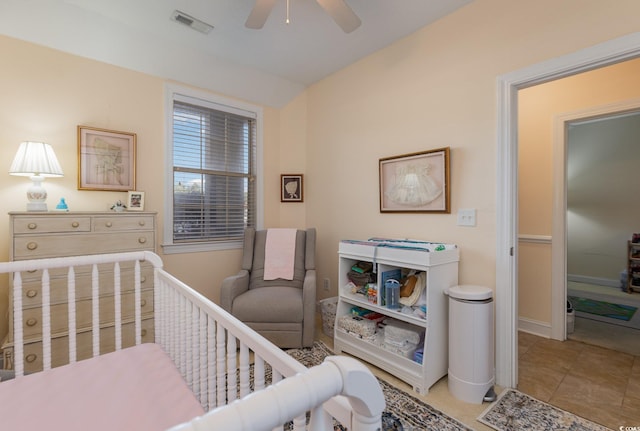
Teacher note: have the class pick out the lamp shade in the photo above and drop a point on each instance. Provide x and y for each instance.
(35, 159)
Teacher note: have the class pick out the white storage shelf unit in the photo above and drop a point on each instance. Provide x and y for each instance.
(441, 269)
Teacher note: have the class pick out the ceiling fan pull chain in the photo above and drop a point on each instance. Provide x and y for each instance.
(287, 21)
(339, 10)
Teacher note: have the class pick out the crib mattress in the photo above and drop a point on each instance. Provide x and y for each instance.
(138, 388)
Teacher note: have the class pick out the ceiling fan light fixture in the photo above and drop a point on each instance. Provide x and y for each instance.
(191, 22)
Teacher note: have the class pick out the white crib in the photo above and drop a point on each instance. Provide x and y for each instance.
(241, 380)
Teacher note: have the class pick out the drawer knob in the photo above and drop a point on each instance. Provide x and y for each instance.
(75, 224)
(31, 293)
(143, 332)
(32, 322)
(143, 302)
(31, 357)
(108, 224)
(32, 245)
(141, 223)
(143, 279)
(32, 226)
(142, 240)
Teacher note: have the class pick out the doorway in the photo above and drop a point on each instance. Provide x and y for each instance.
(602, 154)
(604, 54)
(549, 115)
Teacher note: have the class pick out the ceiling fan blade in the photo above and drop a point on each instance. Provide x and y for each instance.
(342, 14)
(259, 14)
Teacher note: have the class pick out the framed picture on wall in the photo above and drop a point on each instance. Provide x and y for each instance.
(417, 182)
(106, 159)
(291, 188)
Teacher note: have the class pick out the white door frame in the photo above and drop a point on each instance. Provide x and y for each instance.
(603, 54)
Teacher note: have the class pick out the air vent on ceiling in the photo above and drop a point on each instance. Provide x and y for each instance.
(192, 22)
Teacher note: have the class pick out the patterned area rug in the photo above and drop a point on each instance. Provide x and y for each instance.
(403, 411)
(514, 410)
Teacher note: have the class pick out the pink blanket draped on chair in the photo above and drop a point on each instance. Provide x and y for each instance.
(279, 254)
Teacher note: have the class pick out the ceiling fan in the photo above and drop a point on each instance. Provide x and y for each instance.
(339, 10)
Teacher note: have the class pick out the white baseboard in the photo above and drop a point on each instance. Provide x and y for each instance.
(593, 280)
(541, 329)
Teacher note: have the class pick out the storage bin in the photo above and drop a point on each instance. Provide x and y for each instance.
(406, 350)
(358, 326)
(328, 310)
(401, 333)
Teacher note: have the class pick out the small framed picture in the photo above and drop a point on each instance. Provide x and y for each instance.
(106, 159)
(291, 188)
(135, 201)
(417, 182)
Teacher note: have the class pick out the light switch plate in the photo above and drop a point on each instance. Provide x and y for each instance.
(467, 217)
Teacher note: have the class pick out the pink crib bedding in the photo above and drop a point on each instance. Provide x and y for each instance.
(137, 389)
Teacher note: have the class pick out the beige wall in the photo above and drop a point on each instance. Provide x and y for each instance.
(46, 94)
(538, 107)
(435, 88)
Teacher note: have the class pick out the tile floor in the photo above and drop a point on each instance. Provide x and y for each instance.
(596, 383)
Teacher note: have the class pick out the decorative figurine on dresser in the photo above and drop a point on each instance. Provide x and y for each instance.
(36, 235)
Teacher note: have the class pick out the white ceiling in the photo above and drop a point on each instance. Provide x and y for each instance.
(268, 66)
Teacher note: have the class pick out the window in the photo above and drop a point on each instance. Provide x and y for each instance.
(213, 174)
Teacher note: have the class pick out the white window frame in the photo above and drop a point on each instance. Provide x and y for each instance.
(176, 92)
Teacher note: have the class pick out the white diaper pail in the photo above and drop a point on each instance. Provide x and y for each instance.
(471, 343)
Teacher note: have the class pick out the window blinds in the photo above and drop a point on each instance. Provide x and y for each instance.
(214, 195)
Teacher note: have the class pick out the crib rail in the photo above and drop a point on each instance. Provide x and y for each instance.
(18, 268)
(224, 360)
(263, 410)
(220, 358)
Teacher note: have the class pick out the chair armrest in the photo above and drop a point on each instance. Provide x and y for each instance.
(309, 304)
(232, 287)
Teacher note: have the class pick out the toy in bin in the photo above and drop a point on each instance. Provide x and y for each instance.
(372, 293)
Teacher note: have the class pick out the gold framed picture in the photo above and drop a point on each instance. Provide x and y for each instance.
(106, 159)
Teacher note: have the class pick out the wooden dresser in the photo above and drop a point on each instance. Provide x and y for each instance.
(56, 234)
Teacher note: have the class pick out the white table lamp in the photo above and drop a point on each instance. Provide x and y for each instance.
(37, 161)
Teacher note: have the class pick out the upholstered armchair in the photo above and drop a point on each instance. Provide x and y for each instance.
(281, 310)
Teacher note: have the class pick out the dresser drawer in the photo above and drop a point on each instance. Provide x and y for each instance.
(60, 346)
(32, 317)
(51, 224)
(32, 287)
(41, 246)
(117, 223)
